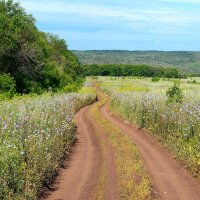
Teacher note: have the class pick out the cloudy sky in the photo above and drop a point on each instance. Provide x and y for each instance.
(120, 24)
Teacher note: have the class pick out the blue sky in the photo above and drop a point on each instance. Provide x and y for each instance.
(120, 24)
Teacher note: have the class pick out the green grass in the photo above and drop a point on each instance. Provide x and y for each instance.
(176, 125)
(36, 133)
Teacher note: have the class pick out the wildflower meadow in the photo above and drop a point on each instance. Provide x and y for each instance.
(175, 123)
(36, 133)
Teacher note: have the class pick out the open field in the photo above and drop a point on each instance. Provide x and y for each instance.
(112, 159)
(121, 161)
(176, 125)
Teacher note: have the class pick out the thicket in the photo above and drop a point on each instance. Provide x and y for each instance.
(31, 60)
(131, 70)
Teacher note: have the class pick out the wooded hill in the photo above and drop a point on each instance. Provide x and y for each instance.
(188, 62)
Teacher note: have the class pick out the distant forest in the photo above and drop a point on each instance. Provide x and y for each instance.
(131, 70)
(186, 61)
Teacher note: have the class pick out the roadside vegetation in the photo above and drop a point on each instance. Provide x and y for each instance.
(37, 127)
(170, 111)
(36, 134)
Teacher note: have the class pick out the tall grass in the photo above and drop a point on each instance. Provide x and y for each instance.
(175, 124)
(35, 134)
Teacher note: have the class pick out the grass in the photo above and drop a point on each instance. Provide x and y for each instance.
(35, 134)
(176, 125)
(133, 182)
(101, 187)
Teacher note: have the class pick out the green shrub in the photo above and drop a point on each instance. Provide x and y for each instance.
(155, 79)
(194, 81)
(175, 94)
(7, 86)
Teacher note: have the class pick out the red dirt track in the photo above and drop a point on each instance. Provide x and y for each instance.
(79, 179)
(169, 179)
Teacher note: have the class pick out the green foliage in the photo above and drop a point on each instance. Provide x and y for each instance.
(36, 133)
(7, 86)
(36, 60)
(176, 125)
(131, 70)
(155, 79)
(186, 61)
(175, 94)
(192, 81)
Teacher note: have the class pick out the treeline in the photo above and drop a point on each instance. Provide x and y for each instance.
(131, 70)
(187, 61)
(32, 61)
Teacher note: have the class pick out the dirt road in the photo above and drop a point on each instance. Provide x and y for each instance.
(169, 179)
(80, 179)
(92, 158)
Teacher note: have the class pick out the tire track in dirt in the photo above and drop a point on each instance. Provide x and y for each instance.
(79, 180)
(169, 179)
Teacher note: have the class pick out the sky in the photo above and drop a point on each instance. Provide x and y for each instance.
(167, 25)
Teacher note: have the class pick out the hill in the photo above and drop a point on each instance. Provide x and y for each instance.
(187, 61)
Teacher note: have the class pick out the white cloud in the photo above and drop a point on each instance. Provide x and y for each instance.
(164, 16)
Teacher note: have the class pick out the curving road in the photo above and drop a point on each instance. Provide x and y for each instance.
(93, 155)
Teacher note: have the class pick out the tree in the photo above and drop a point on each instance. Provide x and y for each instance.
(35, 59)
(19, 51)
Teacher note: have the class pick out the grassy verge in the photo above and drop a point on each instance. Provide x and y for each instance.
(133, 182)
(35, 134)
(175, 125)
(101, 187)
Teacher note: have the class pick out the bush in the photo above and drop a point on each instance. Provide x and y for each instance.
(194, 81)
(155, 79)
(175, 94)
(7, 86)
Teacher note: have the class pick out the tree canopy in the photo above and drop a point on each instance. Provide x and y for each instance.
(131, 70)
(36, 60)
